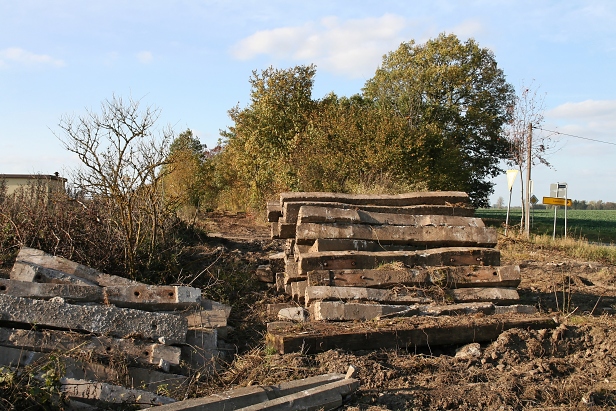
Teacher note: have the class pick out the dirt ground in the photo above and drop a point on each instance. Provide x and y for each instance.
(570, 367)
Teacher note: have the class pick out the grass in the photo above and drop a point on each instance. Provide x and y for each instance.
(598, 226)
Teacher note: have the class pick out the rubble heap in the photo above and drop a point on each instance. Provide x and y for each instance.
(160, 333)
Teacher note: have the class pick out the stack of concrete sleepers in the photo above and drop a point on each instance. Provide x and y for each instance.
(359, 257)
(159, 334)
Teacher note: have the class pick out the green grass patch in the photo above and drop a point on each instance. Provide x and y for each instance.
(597, 226)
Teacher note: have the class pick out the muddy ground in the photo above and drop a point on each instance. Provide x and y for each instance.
(570, 367)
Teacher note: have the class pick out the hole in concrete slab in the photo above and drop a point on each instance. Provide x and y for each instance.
(137, 293)
(2, 287)
(146, 353)
(170, 294)
(154, 325)
(494, 273)
(107, 349)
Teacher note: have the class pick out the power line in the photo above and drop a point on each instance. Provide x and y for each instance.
(571, 135)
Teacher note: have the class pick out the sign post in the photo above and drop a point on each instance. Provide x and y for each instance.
(558, 197)
(533, 200)
(511, 175)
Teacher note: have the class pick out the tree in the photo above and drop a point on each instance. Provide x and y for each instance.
(526, 112)
(500, 203)
(184, 180)
(454, 99)
(122, 157)
(258, 145)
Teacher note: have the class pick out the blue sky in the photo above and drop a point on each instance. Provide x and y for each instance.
(193, 59)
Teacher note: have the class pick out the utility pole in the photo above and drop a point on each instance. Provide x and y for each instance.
(529, 148)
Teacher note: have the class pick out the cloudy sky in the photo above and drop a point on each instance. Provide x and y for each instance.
(193, 59)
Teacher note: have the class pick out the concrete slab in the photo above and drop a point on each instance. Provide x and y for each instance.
(153, 297)
(246, 396)
(91, 275)
(495, 295)
(137, 351)
(445, 256)
(429, 236)
(406, 199)
(28, 272)
(108, 320)
(290, 210)
(18, 357)
(328, 215)
(516, 309)
(402, 296)
(324, 397)
(339, 311)
(108, 393)
(69, 292)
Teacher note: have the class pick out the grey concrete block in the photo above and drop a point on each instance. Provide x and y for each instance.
(297, 314)
(516, 309)
(117, 322)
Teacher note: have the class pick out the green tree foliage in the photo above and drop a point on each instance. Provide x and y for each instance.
(184, 181)
(454, 99)
(258, 145)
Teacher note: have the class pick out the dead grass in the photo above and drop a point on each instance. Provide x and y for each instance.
(516, 247)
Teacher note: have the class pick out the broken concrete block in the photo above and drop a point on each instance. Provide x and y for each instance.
(18, 357)
(274, 211)
(298, 291)
(297, 314)
(118, 322)
(28, 272)
(108, 393)
(201, 349)
(469, 351)
(140, 351)
(280, 281)
(264, 273)
(274, 309)
(38, 257)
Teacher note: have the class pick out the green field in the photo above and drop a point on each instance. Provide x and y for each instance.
(593, 225)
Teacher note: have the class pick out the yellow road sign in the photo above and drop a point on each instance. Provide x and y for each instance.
(557, 201)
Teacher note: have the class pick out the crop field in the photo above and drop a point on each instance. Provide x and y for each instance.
(593, 225)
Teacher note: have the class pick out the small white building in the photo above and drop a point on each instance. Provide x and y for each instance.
(52, 183)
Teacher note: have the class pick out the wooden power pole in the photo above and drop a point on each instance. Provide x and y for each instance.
(529, 149)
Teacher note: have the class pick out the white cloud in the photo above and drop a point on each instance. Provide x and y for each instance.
(587, 110)
(351, 47)
(23, 57)
(144, 57)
